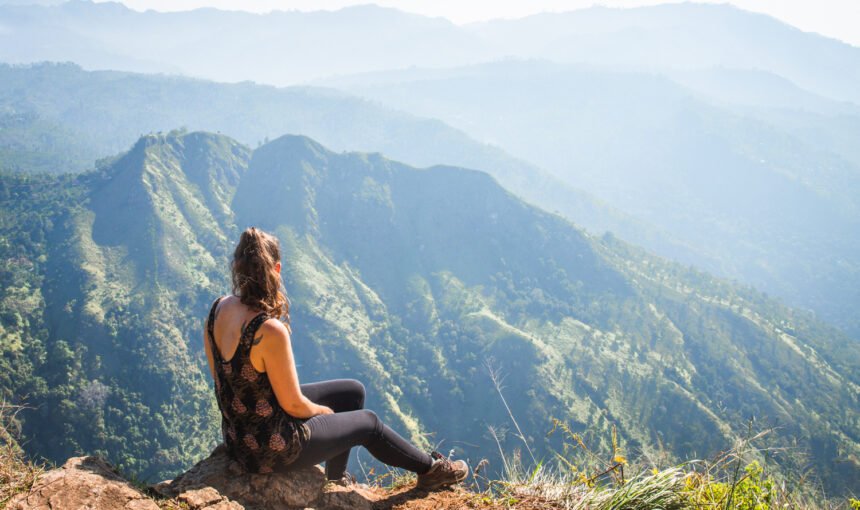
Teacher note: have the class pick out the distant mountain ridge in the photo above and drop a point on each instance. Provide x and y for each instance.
(295, 47)
(409, 279)
(685, 35)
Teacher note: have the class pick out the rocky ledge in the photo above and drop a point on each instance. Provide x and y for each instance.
(215, 483)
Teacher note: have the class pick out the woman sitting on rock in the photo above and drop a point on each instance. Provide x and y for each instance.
(269, 421)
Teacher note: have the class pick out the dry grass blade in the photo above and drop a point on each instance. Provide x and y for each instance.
(16, 474)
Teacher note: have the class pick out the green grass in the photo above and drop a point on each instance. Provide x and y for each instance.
(693, 486)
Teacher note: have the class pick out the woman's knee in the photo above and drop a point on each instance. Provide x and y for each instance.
(356, 389)
(371, 422)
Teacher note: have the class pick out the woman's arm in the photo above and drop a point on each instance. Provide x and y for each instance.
(277, 355)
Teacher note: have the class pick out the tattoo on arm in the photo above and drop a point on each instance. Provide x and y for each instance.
(257, 339)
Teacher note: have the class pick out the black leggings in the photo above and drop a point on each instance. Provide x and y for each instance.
(333, 435)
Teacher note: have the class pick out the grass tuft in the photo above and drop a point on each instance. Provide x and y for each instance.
(17, 474)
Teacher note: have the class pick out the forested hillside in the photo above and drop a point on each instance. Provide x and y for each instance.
(412, 280)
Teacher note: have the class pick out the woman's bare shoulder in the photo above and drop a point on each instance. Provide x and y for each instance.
(274, 327)
(221, 302)
(272, 339)
(229, 300)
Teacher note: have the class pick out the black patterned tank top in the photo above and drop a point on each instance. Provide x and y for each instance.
(258, 433)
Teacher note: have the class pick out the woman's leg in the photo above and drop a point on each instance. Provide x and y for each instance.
(332, 435)
(341, 395)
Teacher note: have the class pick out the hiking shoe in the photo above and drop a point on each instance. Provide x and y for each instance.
(444, 471)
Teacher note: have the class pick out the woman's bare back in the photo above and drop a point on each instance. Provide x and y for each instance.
(231, 318)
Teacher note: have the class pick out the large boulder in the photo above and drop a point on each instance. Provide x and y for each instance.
(219, 475)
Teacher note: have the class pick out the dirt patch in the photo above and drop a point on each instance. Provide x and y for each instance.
(450, 499)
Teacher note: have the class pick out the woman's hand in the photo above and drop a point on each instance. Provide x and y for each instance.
(324, 409)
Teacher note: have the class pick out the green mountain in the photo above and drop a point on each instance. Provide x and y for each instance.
(60, 118)
(413, 280)
(108, 266)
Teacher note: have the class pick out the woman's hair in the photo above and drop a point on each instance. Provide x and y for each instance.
(256, 281)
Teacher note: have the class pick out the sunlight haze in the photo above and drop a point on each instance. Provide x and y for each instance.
(833, 18)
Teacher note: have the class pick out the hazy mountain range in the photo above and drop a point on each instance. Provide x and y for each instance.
(289, 47)
(768, 194)
(708, 134)
(722, 139)
(59, 118)
(410, 279)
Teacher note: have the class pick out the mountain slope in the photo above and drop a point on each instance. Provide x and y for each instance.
(412, 280)
(65, 117)
(592, 332)
(765, 195)
(106, 356)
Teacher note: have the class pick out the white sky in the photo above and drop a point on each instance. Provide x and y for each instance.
(839, 19)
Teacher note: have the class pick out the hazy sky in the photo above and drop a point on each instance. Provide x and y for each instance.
(834, 18)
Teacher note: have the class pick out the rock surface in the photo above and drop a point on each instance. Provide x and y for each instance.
(220, 476)
(83, 482)
(215, 483)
